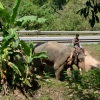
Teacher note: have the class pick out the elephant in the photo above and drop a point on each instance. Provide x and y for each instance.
(58, 57)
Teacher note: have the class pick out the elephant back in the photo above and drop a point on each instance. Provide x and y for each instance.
(53, 49)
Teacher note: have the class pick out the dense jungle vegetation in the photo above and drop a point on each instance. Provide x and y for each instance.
(57, 18)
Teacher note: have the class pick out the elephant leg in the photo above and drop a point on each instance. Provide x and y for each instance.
(71, 67)
(77, 66)
(58, 72)
(41, 70)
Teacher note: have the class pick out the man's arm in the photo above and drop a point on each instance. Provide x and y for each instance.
(73, 41)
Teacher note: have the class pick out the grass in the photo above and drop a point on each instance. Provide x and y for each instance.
(94, 50)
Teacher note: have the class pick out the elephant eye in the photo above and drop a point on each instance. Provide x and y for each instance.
(81, 59)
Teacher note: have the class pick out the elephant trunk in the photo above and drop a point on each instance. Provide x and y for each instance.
(82, 65)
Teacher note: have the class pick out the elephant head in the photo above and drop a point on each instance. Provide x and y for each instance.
(79, 59)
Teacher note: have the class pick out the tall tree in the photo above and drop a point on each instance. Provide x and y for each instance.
(90, 11)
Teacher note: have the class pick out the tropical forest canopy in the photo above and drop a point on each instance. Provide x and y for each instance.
(59, 14)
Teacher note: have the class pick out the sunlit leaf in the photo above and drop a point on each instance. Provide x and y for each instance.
(15, 44)
(1, 6)
(15, 10)
(29, 59)
(26, 81)
(26, 19)
(14, 67)
(40, 55)
(2, 75)
(41, 20)
(31, 47)
(25, 47)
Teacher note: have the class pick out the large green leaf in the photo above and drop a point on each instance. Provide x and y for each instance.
(22, 68)
(15, 10)
(1, 6)
(12, 31)
(8, 37)
(27, 19)
(11, 34)
(40, 55)
(5, 15)
(41, 20)
(31, 47)
(25, 48)
(14, 67)
(4, 45)
(15, 44)
(29, 59)
(26, 81)
(16, 40)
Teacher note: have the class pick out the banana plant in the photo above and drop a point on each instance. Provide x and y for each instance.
(9, 40)
(10, 47)
(28, 49)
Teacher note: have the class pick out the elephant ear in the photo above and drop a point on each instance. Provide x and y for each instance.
(74, 53)
(75, 56)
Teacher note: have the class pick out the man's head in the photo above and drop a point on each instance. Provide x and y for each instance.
(77, 35)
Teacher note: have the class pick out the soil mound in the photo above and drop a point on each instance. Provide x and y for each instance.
(91, 62)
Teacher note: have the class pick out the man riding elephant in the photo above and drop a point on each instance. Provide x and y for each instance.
(59, 55)
(76, 43)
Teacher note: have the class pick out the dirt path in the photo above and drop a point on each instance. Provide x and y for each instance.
(90, 62)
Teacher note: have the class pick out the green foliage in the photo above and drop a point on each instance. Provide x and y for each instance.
(15, 55)
(63, 19)
(86, 86)
(59, 3)
(25, 48)
(14, 67)
(91, 9)
(27, 20)
(15, 9)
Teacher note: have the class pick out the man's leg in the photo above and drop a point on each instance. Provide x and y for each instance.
(83, 51)
(70, 58)
(76, 48)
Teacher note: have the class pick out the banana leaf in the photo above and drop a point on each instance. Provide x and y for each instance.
(14, 67)
(15, 10)
(25, 48)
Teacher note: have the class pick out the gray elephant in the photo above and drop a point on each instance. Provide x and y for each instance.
(59, 57)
